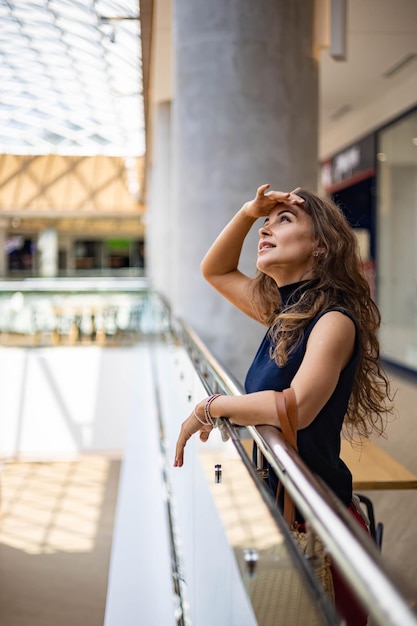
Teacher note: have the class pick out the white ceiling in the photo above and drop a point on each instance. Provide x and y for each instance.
(381, 34)
(83, 88)
(355, 94)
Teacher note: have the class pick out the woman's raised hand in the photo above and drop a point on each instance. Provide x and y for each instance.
(265, 200)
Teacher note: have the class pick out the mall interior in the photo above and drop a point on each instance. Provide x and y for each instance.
(131, 132)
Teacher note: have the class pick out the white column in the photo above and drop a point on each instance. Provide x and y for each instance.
(48, 253)
(244, 113)
(159, 249)
(3, 255)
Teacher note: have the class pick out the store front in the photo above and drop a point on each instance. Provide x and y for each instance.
(397, 239)
(77, 247)
(374, 181)
(109, 254)
(349, 179)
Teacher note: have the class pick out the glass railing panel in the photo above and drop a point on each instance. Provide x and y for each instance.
(238, 564)
(276, 588)
(73, 311)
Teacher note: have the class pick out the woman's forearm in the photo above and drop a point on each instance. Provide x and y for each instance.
(250, 409)
(223, 256)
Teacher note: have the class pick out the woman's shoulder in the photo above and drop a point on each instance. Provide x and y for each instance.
(333, 331)
(338, 309)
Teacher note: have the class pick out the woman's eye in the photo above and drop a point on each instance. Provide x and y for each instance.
(284, 218)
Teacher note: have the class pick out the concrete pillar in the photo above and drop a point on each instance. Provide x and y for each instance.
(159, 249)
(3, 256)
(48, 253)
(244, 113)
(65, 247)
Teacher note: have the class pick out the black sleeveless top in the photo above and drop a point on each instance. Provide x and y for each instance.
(318, 443)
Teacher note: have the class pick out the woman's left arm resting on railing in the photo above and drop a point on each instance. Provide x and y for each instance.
(328, 350)
(251, 409)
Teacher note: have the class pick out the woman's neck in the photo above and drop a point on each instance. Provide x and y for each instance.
(287, 292)
(293, 278)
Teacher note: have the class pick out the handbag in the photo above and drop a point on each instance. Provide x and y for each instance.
(309, 544)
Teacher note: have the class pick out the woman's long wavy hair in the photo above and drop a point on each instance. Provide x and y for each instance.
(339, 281)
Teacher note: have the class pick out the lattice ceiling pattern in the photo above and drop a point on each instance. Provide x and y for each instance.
(71, 77)
(54, 185)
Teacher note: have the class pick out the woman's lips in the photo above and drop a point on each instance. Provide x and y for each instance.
(265, 245)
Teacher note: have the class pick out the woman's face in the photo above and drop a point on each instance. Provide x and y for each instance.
(286, 245)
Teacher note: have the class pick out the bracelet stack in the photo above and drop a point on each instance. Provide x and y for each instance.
(210, 421)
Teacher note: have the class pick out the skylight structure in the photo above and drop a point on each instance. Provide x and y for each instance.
(71, 77)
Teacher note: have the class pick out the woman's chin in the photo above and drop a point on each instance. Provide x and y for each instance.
(263, 267)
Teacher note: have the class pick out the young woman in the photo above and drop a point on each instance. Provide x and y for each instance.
(321, 339)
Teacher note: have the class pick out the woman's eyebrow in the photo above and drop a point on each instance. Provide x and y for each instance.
(286, 210)
(280, 212)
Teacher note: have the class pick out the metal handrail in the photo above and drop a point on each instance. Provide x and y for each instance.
(77, 284)
(353, 553)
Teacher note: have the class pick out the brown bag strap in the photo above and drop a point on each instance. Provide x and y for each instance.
(286, 404)
(287, 415)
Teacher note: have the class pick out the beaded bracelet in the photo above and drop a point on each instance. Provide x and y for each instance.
(200, 420)
(207, 415)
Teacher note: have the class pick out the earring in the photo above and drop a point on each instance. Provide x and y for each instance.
(315, 253)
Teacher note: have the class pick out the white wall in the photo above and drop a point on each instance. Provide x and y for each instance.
(66, 400)
(140, 590)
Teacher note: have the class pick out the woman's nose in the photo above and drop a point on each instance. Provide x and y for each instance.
(264, 231)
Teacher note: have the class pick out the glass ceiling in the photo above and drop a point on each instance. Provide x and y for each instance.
(71, 77)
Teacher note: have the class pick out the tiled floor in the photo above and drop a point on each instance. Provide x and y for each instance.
(56, 528)
(397, 510)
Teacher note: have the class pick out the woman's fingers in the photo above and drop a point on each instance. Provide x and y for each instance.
(187, 430)
(204, 434)
(266, 199)
(261, 190)
(179, 450)
(284, 196)
(264, 192)
(294, 198)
